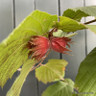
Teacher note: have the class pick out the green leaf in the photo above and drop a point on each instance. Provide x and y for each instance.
(86, 77)
(92, 28)
(51, 71)
(16, 87)
(61, 88)
(13, 51)
(68, 25)
(37, 23)
(78, 13)
(60, 33)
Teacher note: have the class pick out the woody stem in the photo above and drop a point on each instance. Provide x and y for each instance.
(90, 21)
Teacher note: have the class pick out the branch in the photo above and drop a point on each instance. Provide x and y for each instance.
(90, 21)
(55, 29)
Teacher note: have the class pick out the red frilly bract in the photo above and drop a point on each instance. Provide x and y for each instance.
(39, 45)
(59, 44)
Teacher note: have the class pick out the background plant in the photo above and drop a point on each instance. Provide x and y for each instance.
(13, 53)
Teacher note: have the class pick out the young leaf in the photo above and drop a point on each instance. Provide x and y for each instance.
(16, 87)
(60, 33)
(86, 77)
(13, 51)
(51, 71)
(61, 88)
(78, 13)
(68, 25)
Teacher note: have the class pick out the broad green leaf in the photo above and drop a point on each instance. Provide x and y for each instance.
(16, 87)
(60, 33)
(61, 88)
(13, 51)
(51, 71)
(37, 23)
(92, 28)
(86, 77)
(68, 25)
(79, 12)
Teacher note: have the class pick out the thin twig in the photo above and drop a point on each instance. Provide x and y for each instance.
(90, 21)
(33, 68)
(41, 61)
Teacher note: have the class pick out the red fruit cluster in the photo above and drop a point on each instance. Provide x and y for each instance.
(39, 45)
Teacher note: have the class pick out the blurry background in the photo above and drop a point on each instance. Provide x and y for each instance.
(12, 12)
